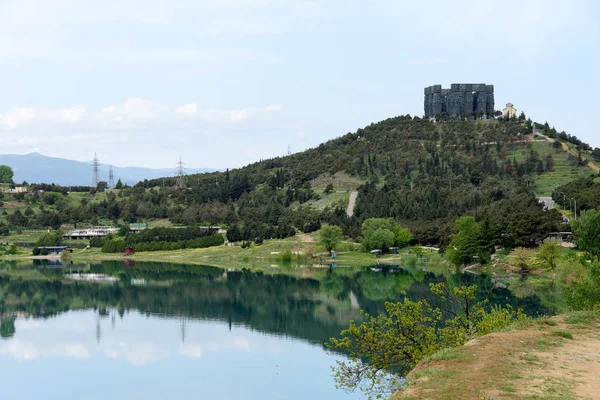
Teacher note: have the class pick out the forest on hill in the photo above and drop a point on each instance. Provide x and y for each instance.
(423, 173)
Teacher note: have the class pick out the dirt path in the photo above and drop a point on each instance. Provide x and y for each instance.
(557, 358)
(351, 203)
(574, 153)
(305, 238)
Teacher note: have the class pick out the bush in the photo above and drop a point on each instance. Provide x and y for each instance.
(118, 246)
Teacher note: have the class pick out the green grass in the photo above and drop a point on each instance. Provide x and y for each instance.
(582, 318)
(563, 171)
(563, 334)
(530, 358)
(340, 181)
(446, 355)
(337, 198)
(509, 389)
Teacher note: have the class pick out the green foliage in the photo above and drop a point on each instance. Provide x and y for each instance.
(7, 327)
(118, 246)
(382, 233)
(468, 244)
(285, 256)
(587, 234)
(6, 174)
(384, 348)
(50, 239)
(331, 236)
(562, 334)
(584, 293)
(549, 254)
(521, 259)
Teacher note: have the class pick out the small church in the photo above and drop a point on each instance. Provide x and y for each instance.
(510, 111)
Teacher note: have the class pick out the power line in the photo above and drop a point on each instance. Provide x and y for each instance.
(95, 170)
(111, 177)
(180, 181)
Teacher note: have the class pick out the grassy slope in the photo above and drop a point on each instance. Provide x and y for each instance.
(562, 173)
(556, 358)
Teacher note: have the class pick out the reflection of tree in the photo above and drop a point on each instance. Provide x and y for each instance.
(7, 328)
(521, 287)
(306, 308)
(332, 283)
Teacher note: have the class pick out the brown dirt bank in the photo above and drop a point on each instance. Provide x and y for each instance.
(555, 358)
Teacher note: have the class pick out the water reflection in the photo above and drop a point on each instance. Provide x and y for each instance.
(313, 306)
(203, 327)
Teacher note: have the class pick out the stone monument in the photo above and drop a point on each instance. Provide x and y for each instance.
(476, 99)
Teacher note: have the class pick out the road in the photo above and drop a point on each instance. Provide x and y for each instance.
(547, 201)
(351, 203)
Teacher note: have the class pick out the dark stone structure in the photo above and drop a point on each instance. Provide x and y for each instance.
(460, 99)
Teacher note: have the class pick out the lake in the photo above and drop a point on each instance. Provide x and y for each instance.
(123, 330)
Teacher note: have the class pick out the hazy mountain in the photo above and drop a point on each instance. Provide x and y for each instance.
(37, 168)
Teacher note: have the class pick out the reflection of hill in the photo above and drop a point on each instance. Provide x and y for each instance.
(311, 309)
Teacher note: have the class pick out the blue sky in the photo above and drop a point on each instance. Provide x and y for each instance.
(224, 83)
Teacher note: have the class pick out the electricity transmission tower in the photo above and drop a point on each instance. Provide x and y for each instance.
(289, 151)
(95, 170)
(180, 181)
(111, 177)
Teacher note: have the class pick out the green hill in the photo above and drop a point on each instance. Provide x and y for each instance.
(423, 173)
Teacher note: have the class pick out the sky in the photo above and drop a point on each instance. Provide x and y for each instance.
(225, 83)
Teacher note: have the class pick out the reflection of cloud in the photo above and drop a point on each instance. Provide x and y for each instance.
(194, 351)
(135, 340)
(26, 350)
(137, 353)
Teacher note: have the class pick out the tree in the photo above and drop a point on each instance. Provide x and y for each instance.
(521, 259)
(119, 185)
(329, 188)
(467, 244)
(549, 254)
(587, 233)
(383, 348)
(331, 236)
(6, 174)
(4, 231)
(382, 233)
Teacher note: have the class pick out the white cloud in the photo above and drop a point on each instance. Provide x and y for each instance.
(72, 115)
(18, 116)
(134, 112)
(211, 115)
(187, 111)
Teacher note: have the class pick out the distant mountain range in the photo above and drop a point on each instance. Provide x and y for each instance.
(37, 168)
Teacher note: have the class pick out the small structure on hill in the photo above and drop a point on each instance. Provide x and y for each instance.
(510, 111)
(47, 250)
(138, 226)
(89, 233)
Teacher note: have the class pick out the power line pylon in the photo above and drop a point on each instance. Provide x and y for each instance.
(180, 181)
(111, 177)
(95, 170)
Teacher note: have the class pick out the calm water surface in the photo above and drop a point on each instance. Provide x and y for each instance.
(159, 331)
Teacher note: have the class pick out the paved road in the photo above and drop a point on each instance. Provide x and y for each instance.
(547, 201)
(351, 204)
